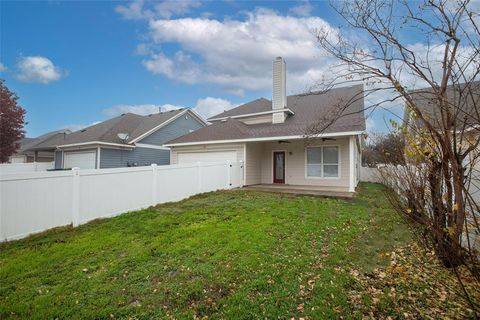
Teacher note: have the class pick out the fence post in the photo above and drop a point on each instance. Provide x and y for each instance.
(75, 197)
(199, 172)
(229, 174)
(154, 184)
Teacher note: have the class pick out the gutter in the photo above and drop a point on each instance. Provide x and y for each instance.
(82, 144)
(324, 135)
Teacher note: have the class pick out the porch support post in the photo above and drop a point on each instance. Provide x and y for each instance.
(351, 161)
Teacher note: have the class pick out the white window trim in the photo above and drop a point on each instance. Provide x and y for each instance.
(339, 162)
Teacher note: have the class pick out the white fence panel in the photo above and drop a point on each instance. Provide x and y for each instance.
(236, 179)
(6, 168)
(36, 201)
(214, 177)
(177, 182)
(108, 192)
(368, 174)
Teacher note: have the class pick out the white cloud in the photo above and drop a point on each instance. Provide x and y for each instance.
(167, 9)
(134, 11)
(209, 106)
(2, 67)
(37, 69)
(206, 107)
(304, 9)
(138, 9)
(237, 54)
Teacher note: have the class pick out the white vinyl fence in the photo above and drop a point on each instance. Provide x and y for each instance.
(368, 174)
(37, 201)
(25, 167)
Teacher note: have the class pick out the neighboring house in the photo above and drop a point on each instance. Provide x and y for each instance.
(26, 154)
(270, 138)
(464, 103)
(128, 140)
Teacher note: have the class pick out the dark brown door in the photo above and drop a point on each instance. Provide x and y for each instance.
(279, 167)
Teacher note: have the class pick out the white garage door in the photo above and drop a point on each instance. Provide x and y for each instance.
(82, 160)
(17, 159)
(207, 156)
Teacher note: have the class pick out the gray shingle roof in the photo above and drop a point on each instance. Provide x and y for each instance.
(133, 124)
(462, 100)
(254, 106)
(309, 110)
(30, 143)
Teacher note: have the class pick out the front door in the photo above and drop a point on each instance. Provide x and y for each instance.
(279, 167)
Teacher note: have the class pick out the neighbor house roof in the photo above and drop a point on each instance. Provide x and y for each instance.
(107, 131)
(463, 101)
(27, 144)
(309, 111)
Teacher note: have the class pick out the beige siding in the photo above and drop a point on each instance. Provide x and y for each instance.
(295, 163)
(253, 171)
(265, 118)
(258, 159)
(239, 148)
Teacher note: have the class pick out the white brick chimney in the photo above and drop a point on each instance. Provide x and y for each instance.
(279, 92)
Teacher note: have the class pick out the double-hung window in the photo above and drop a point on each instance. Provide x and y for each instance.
(323, 162)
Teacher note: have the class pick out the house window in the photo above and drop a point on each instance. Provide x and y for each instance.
(322, 162)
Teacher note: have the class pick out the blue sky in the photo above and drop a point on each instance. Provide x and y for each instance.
(75, 63)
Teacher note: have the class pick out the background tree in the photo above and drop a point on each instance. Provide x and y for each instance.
(12, 121)
(384, 149)
(441, 65)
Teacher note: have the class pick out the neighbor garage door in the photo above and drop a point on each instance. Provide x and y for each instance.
(82, 160)
(210, 156)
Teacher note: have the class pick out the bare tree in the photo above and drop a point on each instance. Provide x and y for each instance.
(442, 134)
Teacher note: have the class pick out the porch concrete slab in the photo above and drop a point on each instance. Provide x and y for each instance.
(330, 192)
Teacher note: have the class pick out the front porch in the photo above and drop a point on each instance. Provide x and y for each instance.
(283, 166)
(320, 191)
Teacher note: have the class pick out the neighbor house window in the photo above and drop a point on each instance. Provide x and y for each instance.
(322, 162)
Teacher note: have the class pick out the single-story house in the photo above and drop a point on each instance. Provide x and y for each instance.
(128, 140)
(274, 140)
(24, 154)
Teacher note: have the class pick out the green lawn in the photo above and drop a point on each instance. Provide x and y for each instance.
(233, 254)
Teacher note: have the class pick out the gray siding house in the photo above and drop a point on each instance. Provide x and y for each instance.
(128, 140)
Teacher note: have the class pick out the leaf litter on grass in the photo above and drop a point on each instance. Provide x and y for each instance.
(413, 286)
